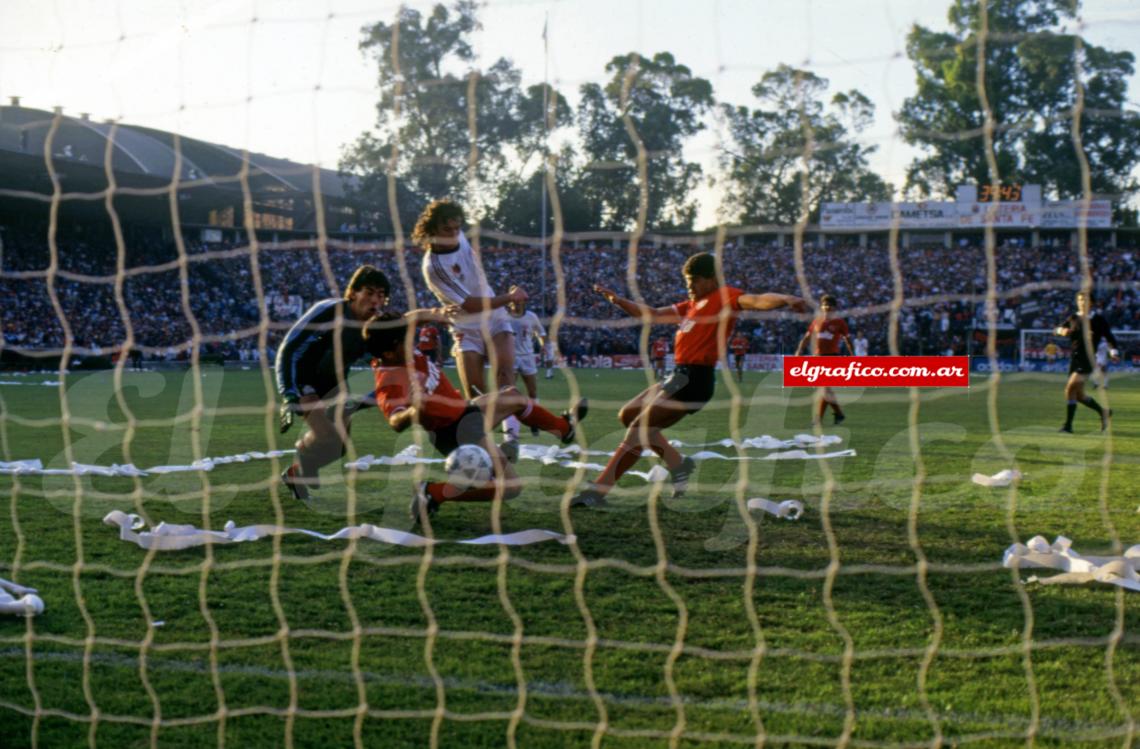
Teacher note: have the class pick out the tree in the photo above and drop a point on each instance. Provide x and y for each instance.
(649, 107)
(794, 152)
(428, 92)
(519, 206)
(1037, 79)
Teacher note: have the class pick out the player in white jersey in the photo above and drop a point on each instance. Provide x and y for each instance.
(528, 328)
(482, 328)
(861, 344)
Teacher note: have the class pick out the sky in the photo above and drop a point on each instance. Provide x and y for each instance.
(287, 78)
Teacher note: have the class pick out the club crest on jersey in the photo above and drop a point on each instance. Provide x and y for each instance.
(457, 271)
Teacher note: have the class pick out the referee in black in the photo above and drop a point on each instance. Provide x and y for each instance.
(1085, 329)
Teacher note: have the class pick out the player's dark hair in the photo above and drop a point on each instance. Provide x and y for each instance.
(429, 222)
(367, 277)
(828, 299)
(386, 331)
(701, 265)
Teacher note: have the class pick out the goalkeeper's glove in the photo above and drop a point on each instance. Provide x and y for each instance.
(291, 406)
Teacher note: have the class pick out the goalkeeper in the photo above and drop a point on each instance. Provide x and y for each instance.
(312, 369)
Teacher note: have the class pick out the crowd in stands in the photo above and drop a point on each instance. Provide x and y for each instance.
(166, 295)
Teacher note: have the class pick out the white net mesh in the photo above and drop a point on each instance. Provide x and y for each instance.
(149, 278)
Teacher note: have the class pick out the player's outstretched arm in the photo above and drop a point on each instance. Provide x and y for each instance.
(636, 309)
(473, 305)
(770, 301)
(432, 314)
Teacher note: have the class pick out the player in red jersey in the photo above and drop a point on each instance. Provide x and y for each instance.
(704, 322)
(826, 332)
(739, 346)
(427, 343)
(659, 352)
(416, 391)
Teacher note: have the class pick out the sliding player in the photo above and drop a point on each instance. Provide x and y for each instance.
(416, 391)
(1080, 363)
(312, 368)
(454, 273)
(704, 321)
(825, 334)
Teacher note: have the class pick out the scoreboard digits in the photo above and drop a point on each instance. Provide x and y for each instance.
(988, 193)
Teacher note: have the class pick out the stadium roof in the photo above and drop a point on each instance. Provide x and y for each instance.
(142, 156)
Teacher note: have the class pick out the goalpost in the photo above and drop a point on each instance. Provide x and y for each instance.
(1035, 355)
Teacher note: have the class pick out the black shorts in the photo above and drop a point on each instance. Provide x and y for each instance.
(1080, 365)
(466, 430)
(692, 385)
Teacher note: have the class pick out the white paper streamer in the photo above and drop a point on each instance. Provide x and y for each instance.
(53, 383)
(1037, 552)
(546, 454)
(999, 479)
(28, 603)
(789, 509)
(36, 466)
(172, 537)
(408, 456)
(766, 442)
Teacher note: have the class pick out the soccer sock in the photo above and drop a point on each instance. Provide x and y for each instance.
(822, 408)
(620, 462)
(835, 407)
(665, 451)
(1091, 403)
(436, 490)
(511, 427)
(535, 415)
(1071, 410)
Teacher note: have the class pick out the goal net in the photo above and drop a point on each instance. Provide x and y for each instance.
(773, 567)
(1035, 354)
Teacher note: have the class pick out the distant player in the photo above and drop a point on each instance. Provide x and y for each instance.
(824, 336)
(312, 369)
(1080, 363)
(548, 357)
(862, 345)
(454, 273)
(427, 343)
(418, 392)
(1051, 351)
(528, 329)
(704, 321)
(659, 352)
(739, 346)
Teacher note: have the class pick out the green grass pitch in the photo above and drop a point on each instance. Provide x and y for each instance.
(655, 630)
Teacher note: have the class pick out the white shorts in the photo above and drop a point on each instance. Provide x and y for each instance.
(469, 337)
(525, 364)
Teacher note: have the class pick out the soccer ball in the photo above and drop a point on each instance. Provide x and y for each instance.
(468, 466)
